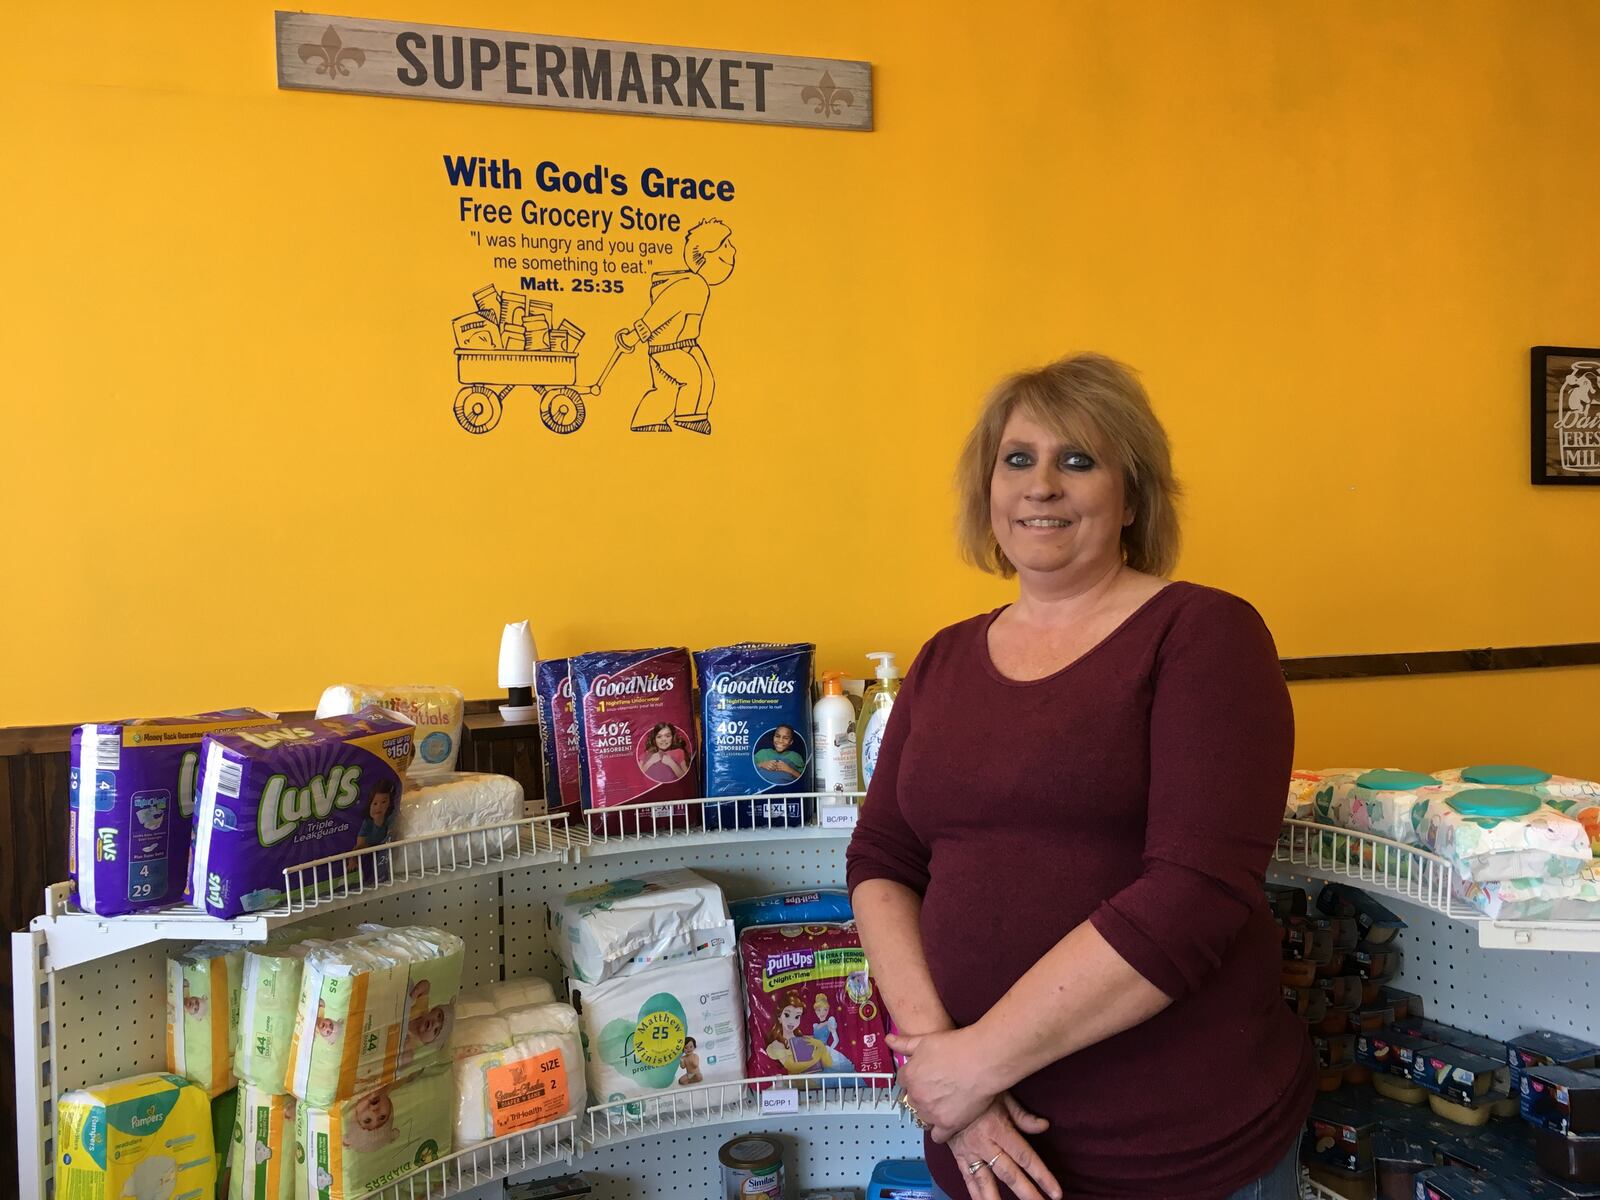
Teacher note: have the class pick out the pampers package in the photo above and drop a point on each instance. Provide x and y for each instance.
(437, 712)
(558, 737)
(628, 925)
(812, 1008)
(674, 1026)
(261, 1161)
(144, 1138)
(373, 1008)
(203, 997)
(282, 795)
(755, 702)
(131, 794)
(636, 712)
(358, 1145)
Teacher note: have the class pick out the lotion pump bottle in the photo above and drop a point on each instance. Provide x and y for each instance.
(875, 706)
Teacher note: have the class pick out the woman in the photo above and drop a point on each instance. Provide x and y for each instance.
(666, 755)
(1057, 875)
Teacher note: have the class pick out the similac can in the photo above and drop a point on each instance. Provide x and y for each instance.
(752, 1166)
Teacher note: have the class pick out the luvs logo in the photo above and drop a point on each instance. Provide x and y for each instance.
(284, 807)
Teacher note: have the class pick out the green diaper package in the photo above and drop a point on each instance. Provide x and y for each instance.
(372, 1008)
(269, 999)
(203, 1014)
(261, 1161)
(224, 1117)
(358, 1145)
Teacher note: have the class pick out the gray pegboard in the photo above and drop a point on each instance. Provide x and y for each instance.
(1498, 993)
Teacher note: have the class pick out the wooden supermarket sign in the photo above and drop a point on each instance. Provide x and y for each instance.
(489, 66)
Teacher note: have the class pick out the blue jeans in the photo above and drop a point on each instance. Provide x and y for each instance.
(1280, 1183)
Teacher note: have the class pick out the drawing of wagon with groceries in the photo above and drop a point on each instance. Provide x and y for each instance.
(508, 341)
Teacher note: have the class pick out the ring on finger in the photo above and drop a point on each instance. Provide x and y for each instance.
(976, 1165)
(990, 1164)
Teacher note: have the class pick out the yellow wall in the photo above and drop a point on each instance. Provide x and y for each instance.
(1327, 234)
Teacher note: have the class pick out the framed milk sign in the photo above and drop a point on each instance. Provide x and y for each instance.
(1565, 411)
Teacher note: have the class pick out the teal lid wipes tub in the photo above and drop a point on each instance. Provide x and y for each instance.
(1395, 781)
(1493, 803)
(1500, 775)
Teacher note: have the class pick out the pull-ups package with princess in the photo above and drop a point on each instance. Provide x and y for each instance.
(131, 793)
(637, 732)
(281, 796)
(813, 1009)
(755, 702)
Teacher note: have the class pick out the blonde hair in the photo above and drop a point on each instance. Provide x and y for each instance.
(1099, 404)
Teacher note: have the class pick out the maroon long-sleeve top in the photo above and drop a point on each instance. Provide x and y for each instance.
(1140, 789)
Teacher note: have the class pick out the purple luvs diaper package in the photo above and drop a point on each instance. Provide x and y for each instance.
(131, 790)
(284, 795)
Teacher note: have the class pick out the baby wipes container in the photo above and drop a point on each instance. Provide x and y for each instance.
(903, 1179)
(1498, 775)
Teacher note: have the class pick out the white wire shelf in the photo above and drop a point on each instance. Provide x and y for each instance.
(310, 889)
(741, 1100)
(328, 884)
(605, 1125)
(1416, 876)
(713, 821)
(514, 1154)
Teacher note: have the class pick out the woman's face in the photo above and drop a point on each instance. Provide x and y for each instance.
(821, 1007)
(664, 739)
(782, 738)
(789, 1019)
(1054, 506)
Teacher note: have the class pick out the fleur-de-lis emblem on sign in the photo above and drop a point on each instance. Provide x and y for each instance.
(827, 96)
(333, 54)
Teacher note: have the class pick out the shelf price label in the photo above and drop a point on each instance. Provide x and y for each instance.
(839, 816)
(779, 1102)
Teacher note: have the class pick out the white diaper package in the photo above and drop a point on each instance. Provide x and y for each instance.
(541, 1018)
(519, 993)
(676, 1025)
(436, 711)
(451, 802)
(203, 1013)
(471, 1004)
(372, 1008)
(261, 1159)
(269, 1000)
(148, 1137)
(362, 1144)
(628, 925)
(1495, 835)
(507, 1082)
(1566, 898)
